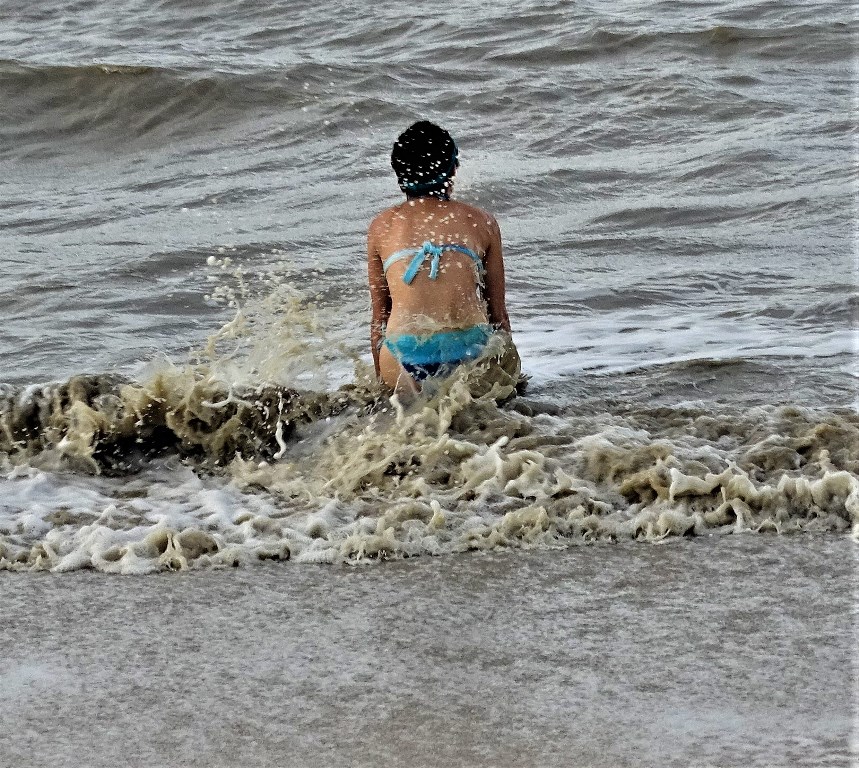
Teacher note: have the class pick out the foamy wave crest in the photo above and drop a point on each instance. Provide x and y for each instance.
(240, 396)
(451, 473)
(105, 424)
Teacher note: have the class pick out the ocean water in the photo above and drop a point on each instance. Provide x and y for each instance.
(184, 365)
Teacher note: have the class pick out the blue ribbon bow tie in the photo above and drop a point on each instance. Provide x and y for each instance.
(427, 249)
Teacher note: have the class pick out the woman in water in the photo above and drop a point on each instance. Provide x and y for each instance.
(435, 269)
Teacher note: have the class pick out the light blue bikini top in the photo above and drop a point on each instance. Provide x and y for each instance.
(434, 252)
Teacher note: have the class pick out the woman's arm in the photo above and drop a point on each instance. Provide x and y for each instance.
(494, 287)
(380, 298)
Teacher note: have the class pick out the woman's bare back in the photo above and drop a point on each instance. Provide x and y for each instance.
(454, 297)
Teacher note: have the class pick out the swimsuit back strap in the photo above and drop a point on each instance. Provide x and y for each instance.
(478, 262)
(434, 252)
(386, 264)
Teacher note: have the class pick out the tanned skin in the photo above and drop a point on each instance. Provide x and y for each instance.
(450, 302)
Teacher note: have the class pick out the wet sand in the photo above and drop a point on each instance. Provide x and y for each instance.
(735, 651)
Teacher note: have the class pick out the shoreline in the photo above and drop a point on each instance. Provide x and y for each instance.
(730, 651)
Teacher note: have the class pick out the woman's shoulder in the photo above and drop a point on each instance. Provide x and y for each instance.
(480, 216)
(382, 221)
(389, 216)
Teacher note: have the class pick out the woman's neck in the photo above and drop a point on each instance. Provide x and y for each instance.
(443, 195)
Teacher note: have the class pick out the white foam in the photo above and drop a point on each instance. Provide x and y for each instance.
(403, 484)
(561, 345)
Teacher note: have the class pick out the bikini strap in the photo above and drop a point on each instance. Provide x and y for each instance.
(386, 264)
(478, 262)
(434, 252)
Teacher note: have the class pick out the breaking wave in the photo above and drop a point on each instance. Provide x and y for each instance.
(350, 476)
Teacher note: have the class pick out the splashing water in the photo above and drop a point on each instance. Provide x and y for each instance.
(232, 459)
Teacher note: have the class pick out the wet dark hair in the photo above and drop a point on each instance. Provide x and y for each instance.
(424, 158)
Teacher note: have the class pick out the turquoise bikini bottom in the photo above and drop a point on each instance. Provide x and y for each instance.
(438, 353)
